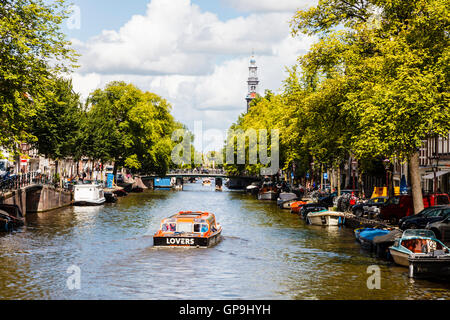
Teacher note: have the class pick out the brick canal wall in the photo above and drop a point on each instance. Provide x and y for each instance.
(37, 198)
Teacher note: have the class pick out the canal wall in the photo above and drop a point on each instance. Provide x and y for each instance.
(37, 198)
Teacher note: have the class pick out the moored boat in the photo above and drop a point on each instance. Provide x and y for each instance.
(11, 217)
(286, 199)
(417, 244)
(88, 195)
(188, 229)
(366, 237)
(268, 191)
(326, 218)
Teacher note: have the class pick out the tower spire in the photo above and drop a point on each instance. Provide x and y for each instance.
(253, 81)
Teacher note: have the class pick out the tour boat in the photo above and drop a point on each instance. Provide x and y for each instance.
(88, 195)
(418, 244)
(326, 218)
(188, 229)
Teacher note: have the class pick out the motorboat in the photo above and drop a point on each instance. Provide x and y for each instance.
(286, 199)
(88, 195)
(11, 217)
(326, 218)
(298, 205)
(188, 229)
(383, 242)
(308, 208)
(421, 249)
(253, 188)
(365, 237)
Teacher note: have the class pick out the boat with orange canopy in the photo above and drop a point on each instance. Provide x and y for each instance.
(188, 229)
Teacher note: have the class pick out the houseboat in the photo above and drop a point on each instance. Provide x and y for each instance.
(326, 218)
(188, 229)
(88, 195)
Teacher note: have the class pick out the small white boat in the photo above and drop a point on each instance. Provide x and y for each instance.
(88, 195)
(326, 218)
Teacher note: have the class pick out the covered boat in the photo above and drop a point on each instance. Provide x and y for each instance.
(298, 205)
(188, 229)
(366, 237)
(286, 199)
(383, 242)
(418, 244)
(326, 218)
(88, 195)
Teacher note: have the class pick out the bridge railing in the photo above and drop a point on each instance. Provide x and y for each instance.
(203, 172)
(17, 181)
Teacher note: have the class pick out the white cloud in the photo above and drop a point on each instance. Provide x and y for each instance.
(192, 58)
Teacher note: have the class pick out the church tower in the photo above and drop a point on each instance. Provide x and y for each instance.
(253, 82)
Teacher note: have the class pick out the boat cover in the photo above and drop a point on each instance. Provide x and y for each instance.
(390, 237)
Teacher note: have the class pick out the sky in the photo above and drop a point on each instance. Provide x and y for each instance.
(194, 53)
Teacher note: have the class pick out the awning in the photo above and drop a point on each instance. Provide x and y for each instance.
(438, 174)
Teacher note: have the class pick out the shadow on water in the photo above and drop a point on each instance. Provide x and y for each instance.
(265, 253)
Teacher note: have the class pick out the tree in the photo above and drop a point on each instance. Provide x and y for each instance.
(130, 127)
(393, 57)
(33, 52)
(57, 122)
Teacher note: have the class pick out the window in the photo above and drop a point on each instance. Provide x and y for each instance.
(433, 213)
(200, 228)
(394, 200)
(184, 227)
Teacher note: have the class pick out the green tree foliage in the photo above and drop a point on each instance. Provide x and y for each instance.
(57, 121)
(32, 52)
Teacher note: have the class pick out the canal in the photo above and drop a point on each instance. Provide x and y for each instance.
(266, 253)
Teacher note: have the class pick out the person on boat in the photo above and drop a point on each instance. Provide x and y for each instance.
(204, 228)
(172, 227)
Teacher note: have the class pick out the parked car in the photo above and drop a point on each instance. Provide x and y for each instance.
(441, 229)
(370, 207)
(401, 206)
(426, 216)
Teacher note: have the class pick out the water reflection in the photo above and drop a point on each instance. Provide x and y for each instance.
(266, 253)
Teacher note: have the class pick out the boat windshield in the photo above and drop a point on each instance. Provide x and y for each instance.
(200, 228)
(419, 233)
(184, 227)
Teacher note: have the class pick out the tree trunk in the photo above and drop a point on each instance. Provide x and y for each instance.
(415, 183)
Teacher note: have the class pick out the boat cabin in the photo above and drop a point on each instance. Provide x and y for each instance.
(189, 223)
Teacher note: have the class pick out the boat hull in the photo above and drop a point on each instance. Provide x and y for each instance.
(400, 258)
(86, 203)
(325, 220)
(267, 196)
(429, 267)
(174, 241)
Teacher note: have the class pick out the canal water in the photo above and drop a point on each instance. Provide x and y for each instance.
(266, 253)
